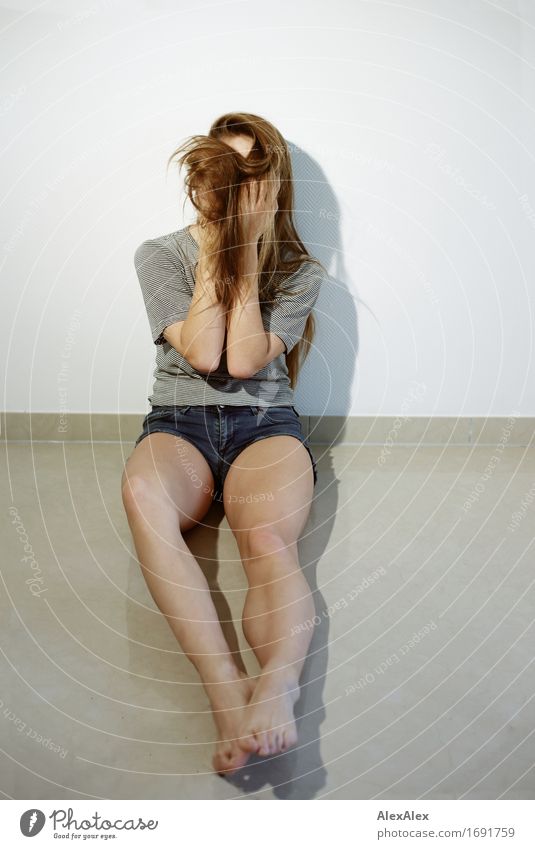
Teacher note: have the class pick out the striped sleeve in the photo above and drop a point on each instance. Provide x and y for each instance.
(288, 315)
(164, 286)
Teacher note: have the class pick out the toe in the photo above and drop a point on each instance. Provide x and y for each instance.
(287, 741)
(238, 759)
(272, 737)
(248, 742)
(264, 747)
(290, 737)
(217, 764)
(226, 764)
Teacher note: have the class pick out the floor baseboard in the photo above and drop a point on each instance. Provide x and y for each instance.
(322, 430)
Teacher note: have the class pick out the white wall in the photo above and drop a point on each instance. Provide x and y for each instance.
(414, 131)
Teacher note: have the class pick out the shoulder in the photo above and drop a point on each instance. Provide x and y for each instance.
(146, 249)
(160, 251)
(309, 273)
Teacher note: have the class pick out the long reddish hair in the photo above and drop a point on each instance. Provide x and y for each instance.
(214, 183)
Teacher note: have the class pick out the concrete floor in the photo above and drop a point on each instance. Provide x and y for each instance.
(98, 702)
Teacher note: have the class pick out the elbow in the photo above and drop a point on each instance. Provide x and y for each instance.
(203, 358)
(202, 363)
(240, 371)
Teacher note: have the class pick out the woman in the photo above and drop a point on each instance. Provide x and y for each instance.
(229, 303)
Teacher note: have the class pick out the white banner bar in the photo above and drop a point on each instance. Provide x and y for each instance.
(221, 824)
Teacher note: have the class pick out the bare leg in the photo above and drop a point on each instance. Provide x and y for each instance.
(279, 598)
(161, 502)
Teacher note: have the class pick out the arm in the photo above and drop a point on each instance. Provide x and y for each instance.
(190, 322)
(199, 338)
(249, 346)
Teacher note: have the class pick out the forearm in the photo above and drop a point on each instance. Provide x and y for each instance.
(203, 332)
(247, 341)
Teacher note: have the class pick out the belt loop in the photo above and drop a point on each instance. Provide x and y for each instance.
(254, 410)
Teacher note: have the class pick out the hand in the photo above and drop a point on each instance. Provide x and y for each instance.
(258, 205)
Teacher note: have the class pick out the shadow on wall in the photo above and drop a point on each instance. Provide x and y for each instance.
(326, 380)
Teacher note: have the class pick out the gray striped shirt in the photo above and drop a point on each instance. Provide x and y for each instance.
(165, 268)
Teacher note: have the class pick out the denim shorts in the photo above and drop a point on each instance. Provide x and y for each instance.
(222, 431)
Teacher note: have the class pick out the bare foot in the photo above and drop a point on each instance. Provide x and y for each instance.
(268, 725)
(228, 701)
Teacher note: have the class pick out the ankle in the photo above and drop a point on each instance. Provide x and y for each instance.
(218, 672)
(227, 694)
(285, 675)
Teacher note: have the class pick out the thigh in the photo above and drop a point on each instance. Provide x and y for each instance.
(169, 469)
(269, 485)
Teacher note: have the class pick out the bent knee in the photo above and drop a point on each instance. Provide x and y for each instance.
(145, 497)
(263, 540)
(139, 490)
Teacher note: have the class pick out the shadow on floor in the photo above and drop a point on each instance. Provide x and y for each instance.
(298, 773)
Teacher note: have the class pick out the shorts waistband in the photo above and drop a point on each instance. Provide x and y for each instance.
(227, 407)
(252, 408)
